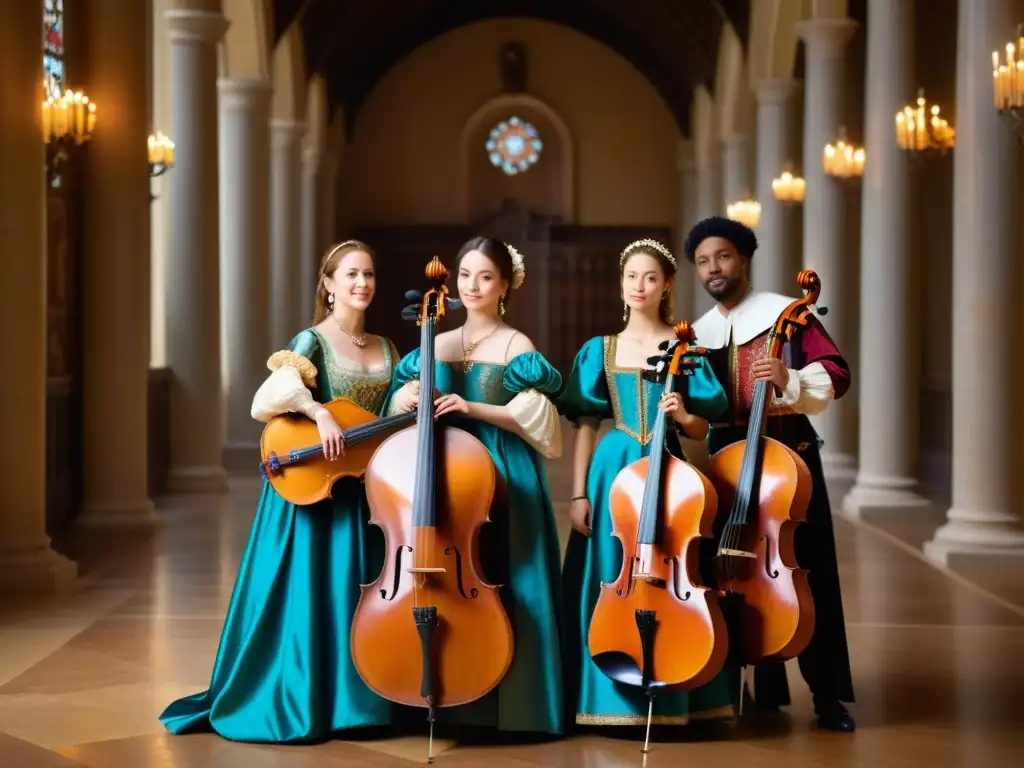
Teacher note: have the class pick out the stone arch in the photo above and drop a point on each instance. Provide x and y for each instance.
(527, 107)
(245, 52)
(289, 77)
(733, 96)
(773, 38)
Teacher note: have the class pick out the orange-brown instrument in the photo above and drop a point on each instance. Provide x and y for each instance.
(767, 487)
(656, 626)
(292, 456)
(430, 632)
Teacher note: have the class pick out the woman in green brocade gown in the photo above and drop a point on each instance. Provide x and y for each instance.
(283, 671)
(606, 383)
(499, 388)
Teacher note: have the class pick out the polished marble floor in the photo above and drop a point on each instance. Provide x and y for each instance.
(938, 662)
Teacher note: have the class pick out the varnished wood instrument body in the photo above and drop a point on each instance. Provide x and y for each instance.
(767, 488)
(430, 631)
(659, 514)
(292, 458)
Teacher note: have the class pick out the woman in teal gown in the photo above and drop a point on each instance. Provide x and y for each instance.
(606, 383)
(498, 388)
(283, 671)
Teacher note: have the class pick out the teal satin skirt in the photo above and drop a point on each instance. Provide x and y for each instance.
(283, 671)
(598, 558)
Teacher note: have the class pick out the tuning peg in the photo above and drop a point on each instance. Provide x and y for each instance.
(411, 312)
(664, 345)
(454, 304)
(654, 360)
(414, 295)
(821, 310)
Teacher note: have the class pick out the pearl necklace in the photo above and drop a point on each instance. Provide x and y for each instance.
(359, 342)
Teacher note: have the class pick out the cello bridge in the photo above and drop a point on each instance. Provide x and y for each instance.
(427, 570)
(649, 578)
(739, 553)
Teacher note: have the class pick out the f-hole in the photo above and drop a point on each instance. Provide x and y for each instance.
(768, 559)
(458, 574)
(676, 568)
(398, 573)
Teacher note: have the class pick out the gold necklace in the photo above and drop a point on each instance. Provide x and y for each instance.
(467, 364)
(359, 342)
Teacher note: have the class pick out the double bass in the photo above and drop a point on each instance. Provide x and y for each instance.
(767, 487)
(292, 457)
(430, 631)
(656, 626)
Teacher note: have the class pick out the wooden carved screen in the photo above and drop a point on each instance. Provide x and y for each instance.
(571, 291)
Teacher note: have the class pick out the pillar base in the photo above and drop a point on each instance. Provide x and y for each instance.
(880, 496)
(33, 568)
(197, 480)
(136, 515)
(974, 539)
(241, 457)
(840, 472)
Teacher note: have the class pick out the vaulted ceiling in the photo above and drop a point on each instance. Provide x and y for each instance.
(673, 43)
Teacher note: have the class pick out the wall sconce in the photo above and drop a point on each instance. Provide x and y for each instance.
(1008, 82)
(917, 133)
(842, 160)
(789, 189)
(745, 211)
(160, 151)
(67, 121)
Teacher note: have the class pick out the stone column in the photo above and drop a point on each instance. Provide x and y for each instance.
(193, 268)
(890, 358)
(686, 275)
(244, 256)
(777, 262)
(709, 203)
(116, 273)
(27, 563)
(329, 199)
(825, 40)
(311, 226)
(287, 317)
(984, 518)
(735, 169)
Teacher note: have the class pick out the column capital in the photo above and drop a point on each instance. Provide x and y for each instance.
(827, 34)
(686, 160)
(244, 92)
(776, 90)
(284, 132)
(189, 26)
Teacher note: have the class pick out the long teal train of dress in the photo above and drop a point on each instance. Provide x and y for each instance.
(283, 671)
(530, 697)
(599, 389)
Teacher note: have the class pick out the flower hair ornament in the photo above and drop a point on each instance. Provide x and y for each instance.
(638, 245)
(518, 266)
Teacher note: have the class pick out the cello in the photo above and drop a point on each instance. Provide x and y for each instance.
(430, 631)
(656, 626)
(292, 457)
(768, 488)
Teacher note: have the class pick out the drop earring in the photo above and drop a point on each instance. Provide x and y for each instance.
(330, 299)
(625, 311)
(501, 306)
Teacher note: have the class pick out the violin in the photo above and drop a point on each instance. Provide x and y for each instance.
(656, 626)
(292, 456)
(768, 488)
(430, 631)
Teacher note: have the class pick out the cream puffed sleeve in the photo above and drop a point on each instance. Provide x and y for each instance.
(535, 382)
(289, 387)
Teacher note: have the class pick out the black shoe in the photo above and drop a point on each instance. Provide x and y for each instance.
(834, 717)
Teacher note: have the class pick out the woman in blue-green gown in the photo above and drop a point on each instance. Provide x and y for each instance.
(283, 671)
(606, 383)
(496, 386)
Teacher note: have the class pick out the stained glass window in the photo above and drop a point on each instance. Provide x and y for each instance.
(514, 145)
(53, 47)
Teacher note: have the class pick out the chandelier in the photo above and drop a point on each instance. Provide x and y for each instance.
(788, 188)
(843, 160)
(1008, 82)
(745, 211)
(919, 129)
